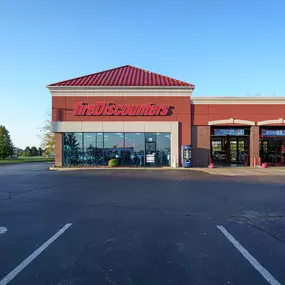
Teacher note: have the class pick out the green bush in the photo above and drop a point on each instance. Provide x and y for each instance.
(113, 162)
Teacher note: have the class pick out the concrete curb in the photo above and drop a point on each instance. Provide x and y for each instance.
(118, 168)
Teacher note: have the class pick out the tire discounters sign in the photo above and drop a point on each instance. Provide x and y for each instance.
(109, 109)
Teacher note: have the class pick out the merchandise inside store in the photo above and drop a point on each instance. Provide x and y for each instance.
(272, 145)
(130, 149)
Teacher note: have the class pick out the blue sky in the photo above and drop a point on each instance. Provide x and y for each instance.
(224, 47)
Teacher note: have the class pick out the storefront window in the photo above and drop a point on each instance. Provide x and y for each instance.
(230, 145)
(100, 149)
(272, 145)
(72, 150)
(89, 141)
(134, 149)
(163, 149)
(93, 148)
(130, 149)
(114, 147)
(150, 137)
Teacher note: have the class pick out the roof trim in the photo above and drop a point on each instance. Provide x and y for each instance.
(118, 87)
(231, 121)
(122, 92)
(271, 122)
(237, 100)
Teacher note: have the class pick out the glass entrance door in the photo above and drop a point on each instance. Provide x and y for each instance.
(272, 151)
(150, 149)
(239, 150)
(150, 153)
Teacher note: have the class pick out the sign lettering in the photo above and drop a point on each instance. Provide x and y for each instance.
(272, 133)
(108, 109)
(229, 132)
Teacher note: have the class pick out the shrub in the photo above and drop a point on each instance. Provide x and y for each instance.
(113, 162)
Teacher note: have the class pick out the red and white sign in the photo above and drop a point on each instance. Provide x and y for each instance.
(109, 109)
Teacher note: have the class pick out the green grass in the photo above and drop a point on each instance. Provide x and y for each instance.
(25, 159)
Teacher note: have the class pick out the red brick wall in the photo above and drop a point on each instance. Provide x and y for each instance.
(203, 113)
(200, 146)
(62, 110)
(254, 144)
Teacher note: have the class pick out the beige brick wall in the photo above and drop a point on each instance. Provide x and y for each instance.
(58, 149)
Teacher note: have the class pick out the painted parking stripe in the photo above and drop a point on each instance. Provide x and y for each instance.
(266, 275)
(30, 258)
(3, 230)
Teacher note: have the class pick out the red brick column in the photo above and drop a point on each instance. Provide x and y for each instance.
(58, 149)
(201, 146)
(254, 144)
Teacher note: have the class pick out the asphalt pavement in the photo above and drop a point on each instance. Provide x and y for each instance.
(139, 227)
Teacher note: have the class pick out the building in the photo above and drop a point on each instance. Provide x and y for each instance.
(143, 118)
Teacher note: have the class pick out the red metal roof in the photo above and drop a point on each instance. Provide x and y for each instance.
(126, 75)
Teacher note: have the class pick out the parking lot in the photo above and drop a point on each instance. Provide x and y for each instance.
(139, 227)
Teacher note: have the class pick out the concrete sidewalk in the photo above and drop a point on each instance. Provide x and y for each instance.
(227, 171)
(244, 171)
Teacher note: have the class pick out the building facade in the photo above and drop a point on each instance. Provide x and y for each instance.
(143, 118)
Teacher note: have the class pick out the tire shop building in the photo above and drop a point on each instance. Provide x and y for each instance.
(145, 119)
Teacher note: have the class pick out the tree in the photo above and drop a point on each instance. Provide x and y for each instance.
(34, 151)
(18, 152)
(47, 136)
(6, 145)
(40, 151)
(27, 151)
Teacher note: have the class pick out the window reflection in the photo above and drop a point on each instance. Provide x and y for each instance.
(114, 147)
(163, 148)
(150, 137)
(72, 151)
(93, 149)
(100, 149)
(134, 149)
(130, 149)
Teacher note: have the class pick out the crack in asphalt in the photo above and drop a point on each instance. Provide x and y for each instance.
(13, 194)
(136, 208)
(256, 216)
(181, 214)
(266, 232)
(252, 218)
(260, 218)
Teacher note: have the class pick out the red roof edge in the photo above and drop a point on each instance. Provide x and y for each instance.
(141, 79)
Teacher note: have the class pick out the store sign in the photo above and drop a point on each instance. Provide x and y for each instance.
(229, 132)
(150, 158)
(108, 109)
(273, 133)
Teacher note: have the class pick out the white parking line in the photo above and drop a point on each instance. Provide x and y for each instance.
(267, 276)
(3, 230)
(30, 258)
